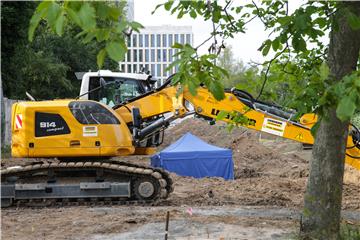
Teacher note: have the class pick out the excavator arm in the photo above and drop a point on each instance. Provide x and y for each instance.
(260, 116)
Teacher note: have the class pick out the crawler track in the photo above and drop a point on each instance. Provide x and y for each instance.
(83, 183)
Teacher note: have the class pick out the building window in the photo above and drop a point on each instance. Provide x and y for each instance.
(171, 58)
(164, 70)
(176, 38)
(182, 38)
(153, 55)
(153, 70)
(135, 55)
(141, 43)
(128, 40)
(147, 67)
(146, 40)
(152, 40)
(134, 68)
(146, 55)
(129, 68)
(158, 70)
(164, 55)
(158, 40)
(140, 55)
(158, 52)
(122, 68)
(177, 56)
(188, 39)
(134, 38)
(170, 40)
(164, 40)
(128, 56)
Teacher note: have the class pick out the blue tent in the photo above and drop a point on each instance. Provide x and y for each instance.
(191, 156)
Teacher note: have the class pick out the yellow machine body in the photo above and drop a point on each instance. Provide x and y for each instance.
(50, 129)
(99, 139)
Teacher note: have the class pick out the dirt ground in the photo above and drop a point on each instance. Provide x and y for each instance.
(270, 173)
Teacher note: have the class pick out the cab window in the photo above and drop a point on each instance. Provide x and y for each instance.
(116, 90)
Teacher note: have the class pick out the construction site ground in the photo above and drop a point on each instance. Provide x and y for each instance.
(263, 202)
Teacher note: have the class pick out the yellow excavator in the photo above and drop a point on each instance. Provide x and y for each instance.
(120, 116)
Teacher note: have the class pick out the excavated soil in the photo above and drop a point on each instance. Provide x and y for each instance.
(270, 172)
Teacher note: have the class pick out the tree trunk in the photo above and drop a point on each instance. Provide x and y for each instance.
(322, 201)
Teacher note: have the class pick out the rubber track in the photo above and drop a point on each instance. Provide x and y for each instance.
(132, 170)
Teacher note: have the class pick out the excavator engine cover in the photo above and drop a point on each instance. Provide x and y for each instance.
(68, 128)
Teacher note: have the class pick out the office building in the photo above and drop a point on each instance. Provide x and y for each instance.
(150, 50)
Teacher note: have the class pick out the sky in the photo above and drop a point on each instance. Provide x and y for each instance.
(244, 45)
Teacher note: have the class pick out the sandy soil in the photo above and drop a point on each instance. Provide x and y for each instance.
(270, 173)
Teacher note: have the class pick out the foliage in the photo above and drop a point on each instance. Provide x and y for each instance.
(297, 45)
(194, 71)
(49, 60)
(102, 22)
(238, 72)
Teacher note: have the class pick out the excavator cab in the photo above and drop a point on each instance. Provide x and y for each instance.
(114, 88)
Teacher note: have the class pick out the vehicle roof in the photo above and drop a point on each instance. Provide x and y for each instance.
(108, 73)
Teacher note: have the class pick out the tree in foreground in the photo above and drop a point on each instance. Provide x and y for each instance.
(296, 40)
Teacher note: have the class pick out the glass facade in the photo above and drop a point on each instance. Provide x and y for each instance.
(152, 40)
(146, 40)
(158, 40)
(151, 51)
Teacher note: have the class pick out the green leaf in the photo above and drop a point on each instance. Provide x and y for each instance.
(167, 5)
(52, 14)
(120, 26)
(217, 90)
(177, 45)
(89, 36)
(315, 128)
(266, 48)
(87, 16)
(34, 22)
(321, 22)
(116, 50)
(74, 16)
(299, 43)
(59, 26)
(100, 58)
(102, 34)
(345, 108)
(102, 10)
(222, 115)
(284, 20)
(324, 71)
(135, 26)
(114, 13)
(36, 18)
(193, 14)
(276, 44)
(353, 20)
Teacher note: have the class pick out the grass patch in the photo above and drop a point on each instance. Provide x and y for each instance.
(349, 232)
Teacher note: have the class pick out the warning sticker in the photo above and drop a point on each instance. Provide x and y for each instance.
(90, 131)
(18, 121)
(273, 126)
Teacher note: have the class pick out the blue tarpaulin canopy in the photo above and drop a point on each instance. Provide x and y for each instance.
(191, 156)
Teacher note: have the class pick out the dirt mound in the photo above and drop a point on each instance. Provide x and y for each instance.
(268, 170)
(251, 158)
